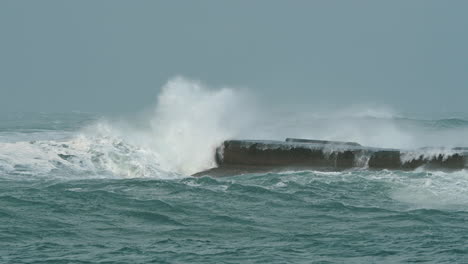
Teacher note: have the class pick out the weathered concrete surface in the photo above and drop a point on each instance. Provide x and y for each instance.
(248, 156)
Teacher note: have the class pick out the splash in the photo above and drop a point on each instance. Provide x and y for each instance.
(82, 156)
(191, 120)
(177, 138)
(369, 125)
(179, 134)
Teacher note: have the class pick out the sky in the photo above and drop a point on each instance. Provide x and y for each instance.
(113, 56)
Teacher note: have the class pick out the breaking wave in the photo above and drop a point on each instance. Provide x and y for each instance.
(178, 136)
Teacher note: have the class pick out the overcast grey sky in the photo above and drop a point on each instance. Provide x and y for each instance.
(113, 56)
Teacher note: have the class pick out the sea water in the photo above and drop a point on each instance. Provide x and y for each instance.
(88, 188)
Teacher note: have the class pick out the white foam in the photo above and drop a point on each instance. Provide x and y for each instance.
(428, 154)
(189, 120)
(414, 189)
(82, 156)
(177, 138)
(435, 190)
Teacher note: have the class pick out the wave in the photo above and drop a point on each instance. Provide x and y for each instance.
(412, 190)
(82, 156)
(178, 136)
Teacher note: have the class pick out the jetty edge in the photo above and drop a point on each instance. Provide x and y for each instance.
(235, 157)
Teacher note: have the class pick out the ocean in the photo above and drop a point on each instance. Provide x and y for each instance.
(88, 188)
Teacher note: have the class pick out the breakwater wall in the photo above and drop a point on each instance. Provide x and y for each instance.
(240, 156)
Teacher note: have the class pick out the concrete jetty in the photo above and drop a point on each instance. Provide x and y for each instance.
(250, 156)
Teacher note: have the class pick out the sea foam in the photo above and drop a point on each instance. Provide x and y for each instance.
(178, 136)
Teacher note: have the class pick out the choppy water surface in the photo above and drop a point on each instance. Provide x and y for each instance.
(75, 188)
(352, 217)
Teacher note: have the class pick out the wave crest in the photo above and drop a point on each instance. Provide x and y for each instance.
(178, 137)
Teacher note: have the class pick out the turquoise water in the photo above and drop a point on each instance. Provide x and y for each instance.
(77, 189)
